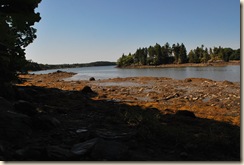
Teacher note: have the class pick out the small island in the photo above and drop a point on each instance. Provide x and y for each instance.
(176, 56)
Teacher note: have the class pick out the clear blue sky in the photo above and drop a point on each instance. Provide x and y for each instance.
(81, 31)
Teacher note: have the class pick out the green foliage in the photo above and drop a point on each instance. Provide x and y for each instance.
(155, 55)
(158, 58)
(125, 60)
(166, 53)
(235, 55)
(140, 56)
(151, 55)
(225, 54)
(177, 54)
(16, 31)
(180, 53)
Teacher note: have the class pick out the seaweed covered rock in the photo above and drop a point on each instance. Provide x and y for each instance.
(87, 90)
(91, 79)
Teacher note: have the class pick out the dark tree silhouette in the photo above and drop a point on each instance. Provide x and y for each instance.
(16, 31)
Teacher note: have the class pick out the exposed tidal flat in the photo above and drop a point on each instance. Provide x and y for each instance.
(132, 118)
(219, 100)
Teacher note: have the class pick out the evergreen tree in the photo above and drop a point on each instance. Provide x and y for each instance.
(125, 60)
(176, 52)
(182, 54)
(151, 55)
(143, 58)
(206, 56)
(235, 55)
(168, 50)
(191, 56)
(227, 52)
(159, 55)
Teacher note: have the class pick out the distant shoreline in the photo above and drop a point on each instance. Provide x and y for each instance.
(32, 66)
(236, 62)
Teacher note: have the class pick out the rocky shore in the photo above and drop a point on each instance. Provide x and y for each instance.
(134, 119)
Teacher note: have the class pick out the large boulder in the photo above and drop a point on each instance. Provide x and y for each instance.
(45, 122)
(14, 127)
(5, 105)
(91, 79)
(87, 90)
(7, 91)
(25, 107)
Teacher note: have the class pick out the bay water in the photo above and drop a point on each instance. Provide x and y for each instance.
(217, 73)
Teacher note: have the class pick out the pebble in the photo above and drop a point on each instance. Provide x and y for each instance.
(140, 90)
(81, 130)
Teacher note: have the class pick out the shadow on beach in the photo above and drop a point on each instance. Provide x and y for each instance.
(53, 124)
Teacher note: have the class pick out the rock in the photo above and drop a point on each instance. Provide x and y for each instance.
(29, 153)
(5, 105)
(59, 71)
(227, 82)
(58, 153)
(138, 155)
(23, 94)
(185, 113)
(91, 79)
(7, 90)
(141, 89)
(45, 122)
(25, 107)
(87, 89)
(172, 96)
(106, 134)
(14, 127)
(83, 148)
(109, 150)
(188, 80)
(82, 130)
(183, 155)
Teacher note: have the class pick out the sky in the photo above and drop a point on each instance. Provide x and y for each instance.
(83, 31)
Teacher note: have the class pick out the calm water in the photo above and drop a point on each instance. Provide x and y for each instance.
(230, 73)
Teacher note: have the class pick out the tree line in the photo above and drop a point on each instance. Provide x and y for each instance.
(34, 66)
(177, 54)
